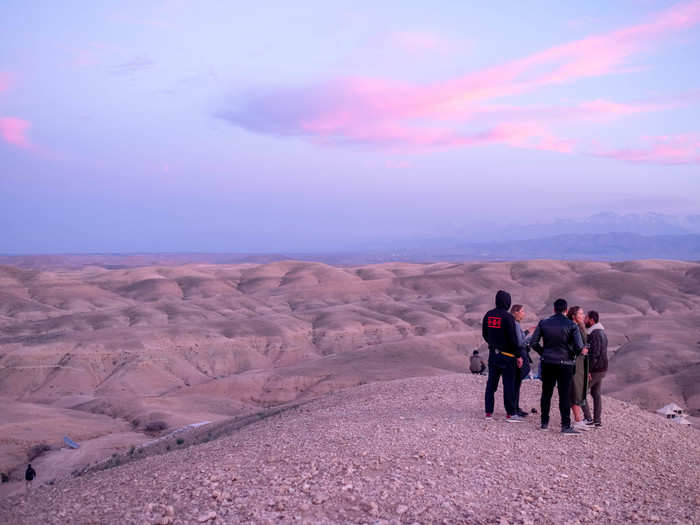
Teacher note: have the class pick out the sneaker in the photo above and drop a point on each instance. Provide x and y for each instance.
(589, 422)
(515, 418)
(597, 425)
(544, 426)
(569, 431)
(522, 413)
(580, 426)
(489, 417)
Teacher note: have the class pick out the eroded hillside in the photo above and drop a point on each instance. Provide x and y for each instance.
(200, 342)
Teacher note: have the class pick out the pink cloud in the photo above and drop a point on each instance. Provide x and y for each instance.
(392, 114)
(5, 80)
(667, 149)
(14, 131)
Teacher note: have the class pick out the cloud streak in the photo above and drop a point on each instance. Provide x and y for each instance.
(5, 80)
(666, 150)
(14, 131)
(465, 111)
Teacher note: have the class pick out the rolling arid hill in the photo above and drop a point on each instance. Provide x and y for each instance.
(414, 450)
(103, 355)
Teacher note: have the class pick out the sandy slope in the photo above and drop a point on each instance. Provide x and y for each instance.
(182, 344)
(406, 451)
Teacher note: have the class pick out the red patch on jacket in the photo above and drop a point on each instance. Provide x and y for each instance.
(494, 322)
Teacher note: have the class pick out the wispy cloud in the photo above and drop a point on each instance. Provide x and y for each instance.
(464, 111)
(666, 149)
(136, 64)
(5, 80)
(14, 131)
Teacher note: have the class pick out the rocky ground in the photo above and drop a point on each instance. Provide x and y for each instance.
(405, 451)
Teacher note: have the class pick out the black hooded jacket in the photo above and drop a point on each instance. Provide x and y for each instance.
(561, 340)
(498, 326)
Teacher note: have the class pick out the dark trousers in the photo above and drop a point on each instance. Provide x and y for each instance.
(561, 376)
(595, 385)
(518, 382)
(501, 365)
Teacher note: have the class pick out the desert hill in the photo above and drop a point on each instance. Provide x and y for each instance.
(406, 451)
(95, 352)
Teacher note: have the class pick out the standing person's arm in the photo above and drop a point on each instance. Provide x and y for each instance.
(594, 349)
(535, 340)
(510, 331)
(577, 339)
(519, 336)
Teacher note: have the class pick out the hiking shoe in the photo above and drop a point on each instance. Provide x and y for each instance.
(544, 426)
(569, 431)
(580, 426)
(489, 417)
(522, 413)
(515, 418)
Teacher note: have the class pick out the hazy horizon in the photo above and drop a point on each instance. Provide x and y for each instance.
(176, 127)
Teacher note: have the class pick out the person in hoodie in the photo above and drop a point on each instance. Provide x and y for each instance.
(518, 312)
(29, 476)
(598, 364)
(561, 343)
(499, 332)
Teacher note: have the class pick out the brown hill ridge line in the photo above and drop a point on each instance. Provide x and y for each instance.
(406, 451)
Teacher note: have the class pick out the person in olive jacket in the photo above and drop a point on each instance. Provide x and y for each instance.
(561, 343)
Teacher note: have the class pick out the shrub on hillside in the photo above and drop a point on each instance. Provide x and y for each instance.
(37, 450)
(156, 426)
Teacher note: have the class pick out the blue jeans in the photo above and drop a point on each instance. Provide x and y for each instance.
(501, 365)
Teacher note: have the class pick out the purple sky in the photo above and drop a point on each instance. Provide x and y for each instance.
(314, 126)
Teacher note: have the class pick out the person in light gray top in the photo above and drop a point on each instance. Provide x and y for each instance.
(518, 311)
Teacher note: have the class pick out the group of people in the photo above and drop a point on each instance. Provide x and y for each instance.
(573, 349)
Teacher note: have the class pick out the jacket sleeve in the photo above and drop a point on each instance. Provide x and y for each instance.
(511, 333)
(595, 349)
(519, 336)
(535, 340)
(577, 340)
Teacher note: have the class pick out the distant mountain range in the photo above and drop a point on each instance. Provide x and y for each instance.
(604, 236)
(584, 246)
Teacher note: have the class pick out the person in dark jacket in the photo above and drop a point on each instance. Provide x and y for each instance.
(476, 364)
(561, 343)
(29, 476)
(498, 330)
(518, 312)
(597, 364)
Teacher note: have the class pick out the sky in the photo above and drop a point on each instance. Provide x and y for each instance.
(214, 126)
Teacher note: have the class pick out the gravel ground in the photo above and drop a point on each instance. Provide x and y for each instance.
(406, 451)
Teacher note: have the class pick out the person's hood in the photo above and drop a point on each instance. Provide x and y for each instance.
(503, 300)
(593, 328)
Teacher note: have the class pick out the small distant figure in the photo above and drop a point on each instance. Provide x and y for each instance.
(29, 476)
(476, 364)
